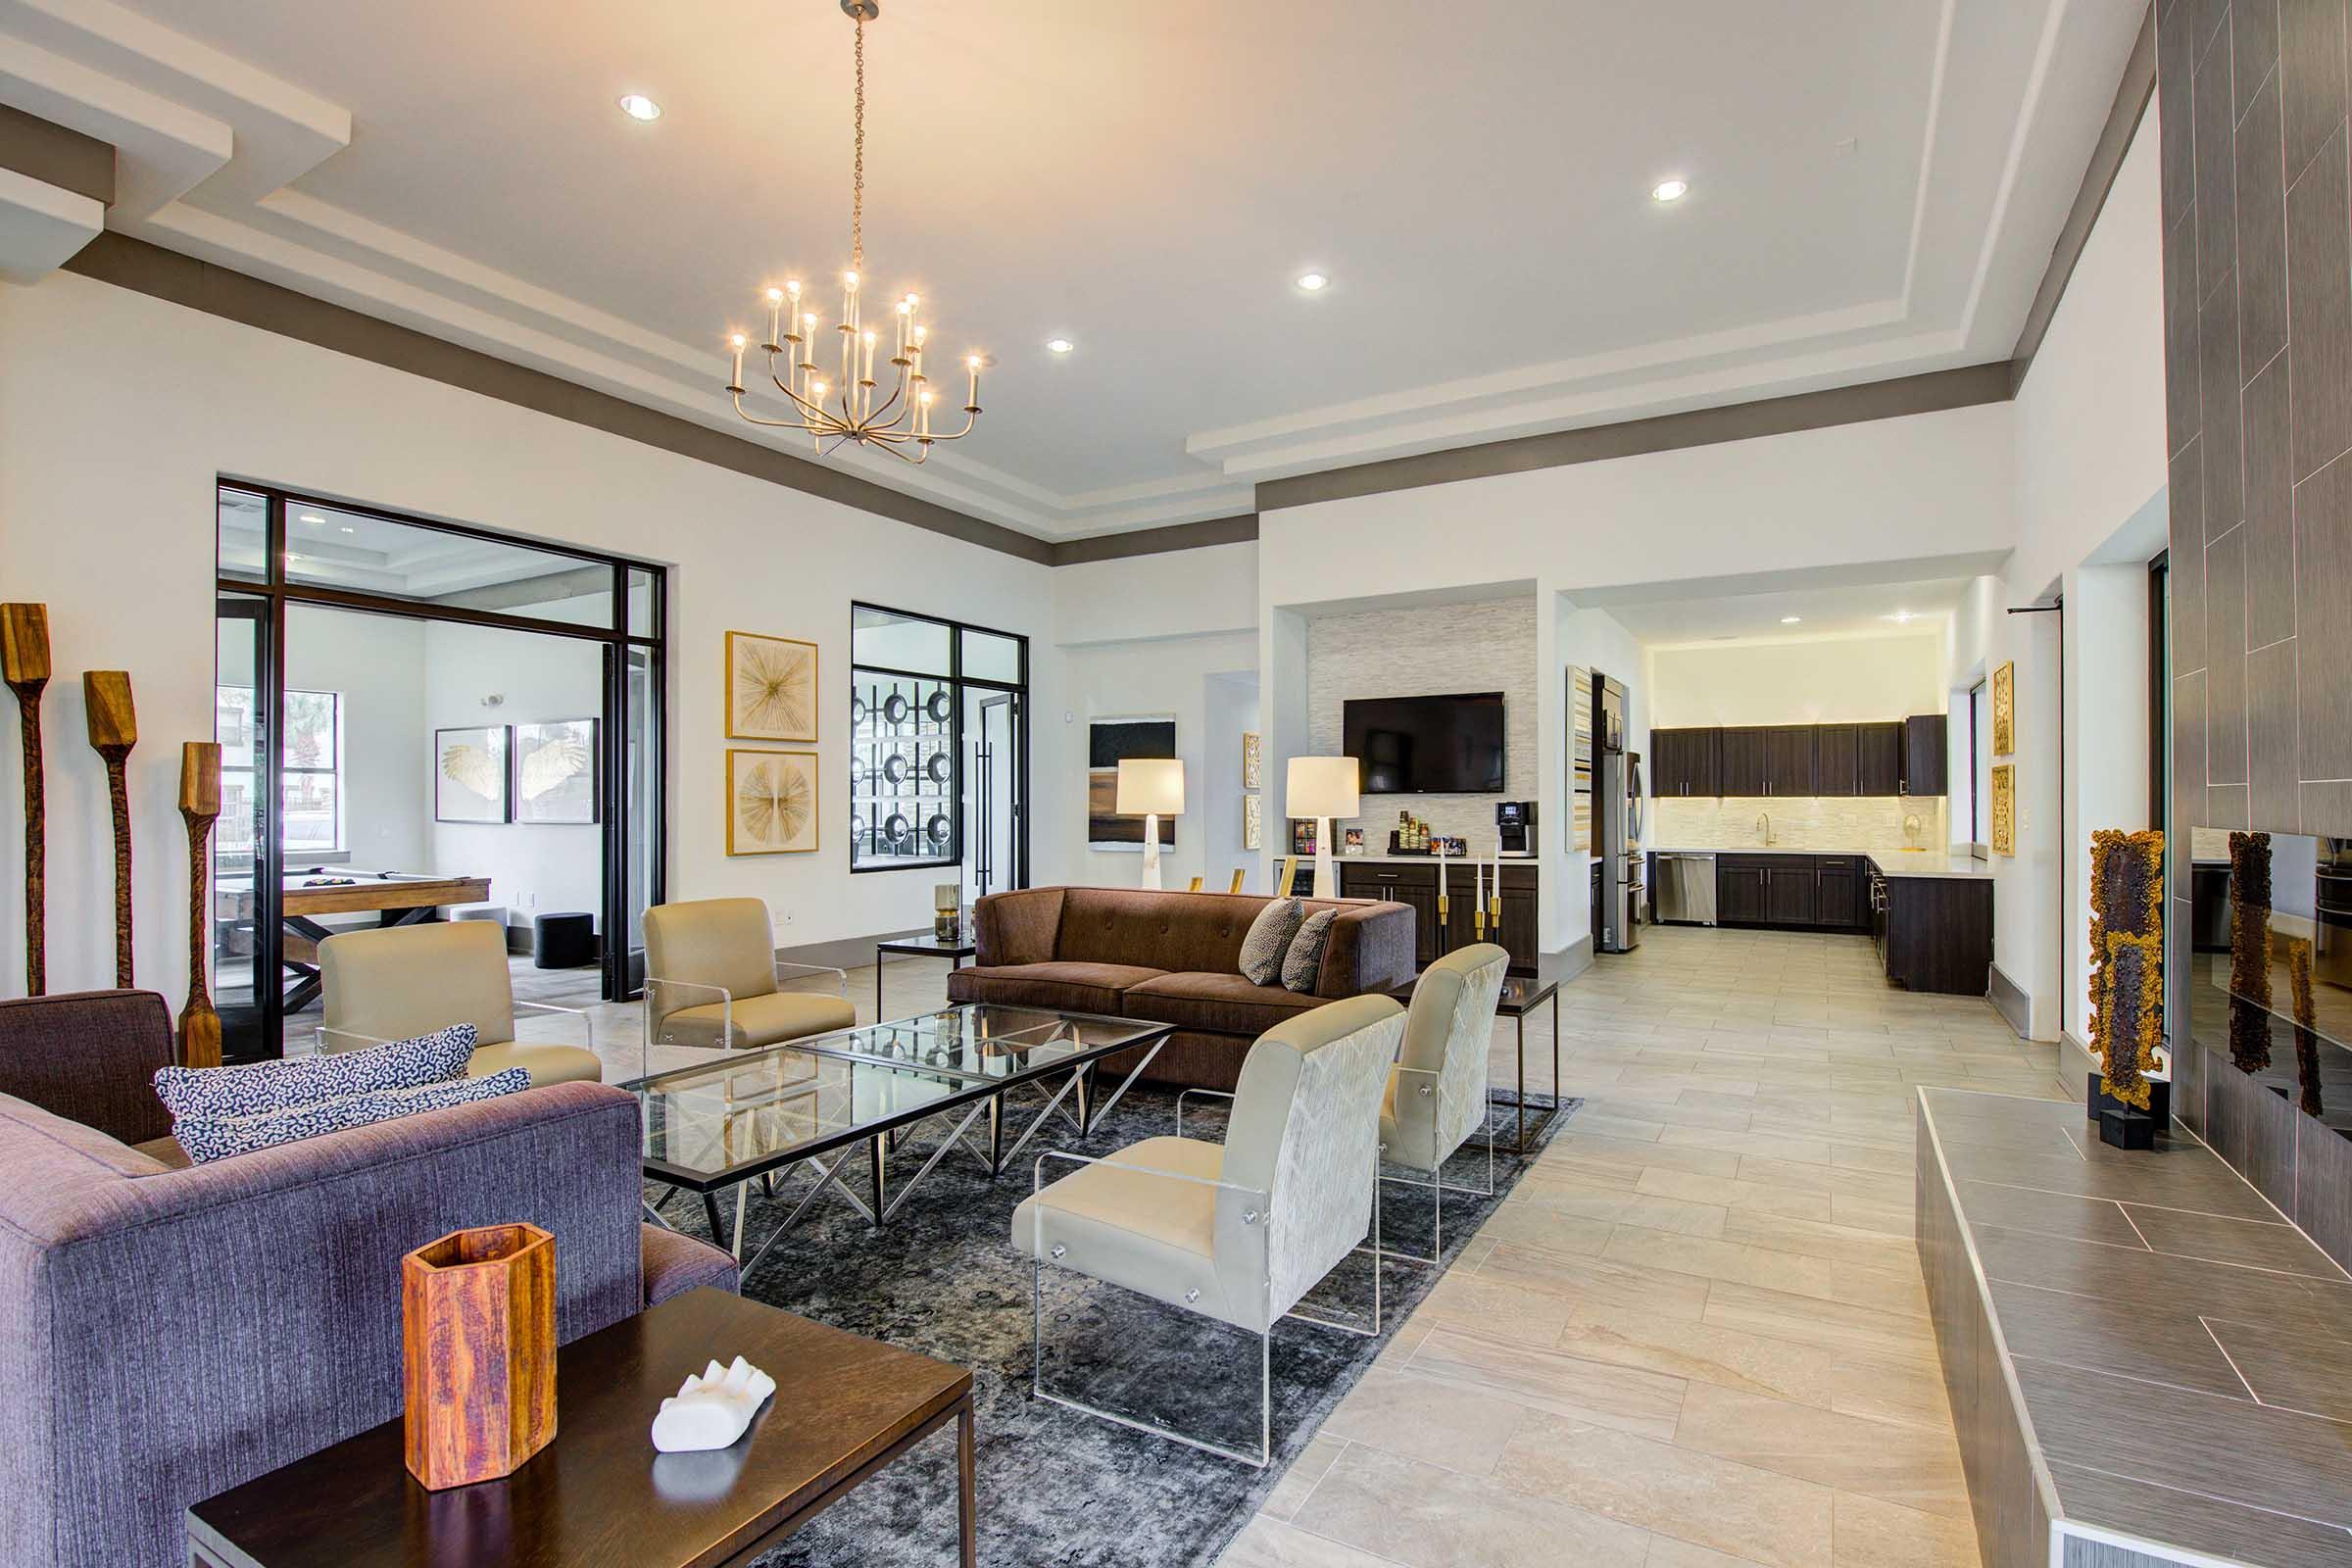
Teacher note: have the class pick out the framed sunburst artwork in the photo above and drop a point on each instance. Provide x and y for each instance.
(771, 802)
(771, 688)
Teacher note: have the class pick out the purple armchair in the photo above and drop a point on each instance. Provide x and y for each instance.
(166, 1332)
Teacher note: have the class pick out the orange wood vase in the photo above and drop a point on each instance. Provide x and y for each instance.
(478, 1352)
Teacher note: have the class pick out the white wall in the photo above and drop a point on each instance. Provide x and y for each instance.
(1160, 675)
(119, 412)
(533, 868)
(1231, 711)
(1826, 681)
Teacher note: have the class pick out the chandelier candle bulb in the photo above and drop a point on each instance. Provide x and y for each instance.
(735, 376)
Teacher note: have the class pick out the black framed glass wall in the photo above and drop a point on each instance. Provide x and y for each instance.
(427, 720)
(939, 747)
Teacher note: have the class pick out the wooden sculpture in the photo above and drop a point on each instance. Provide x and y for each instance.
(2126, 948)
(478, 1340)
(24, 663)
(113, 731)
(2250, 951)
(199, 806)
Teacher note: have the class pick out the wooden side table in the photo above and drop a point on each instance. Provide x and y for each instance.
(599, 1495)
(925, 946)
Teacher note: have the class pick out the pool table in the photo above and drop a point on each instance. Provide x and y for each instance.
(397, 898)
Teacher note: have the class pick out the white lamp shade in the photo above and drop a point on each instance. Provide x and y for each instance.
(1322, 786)
(1149, 784)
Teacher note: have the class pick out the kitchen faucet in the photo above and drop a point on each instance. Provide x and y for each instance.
(1764, 826)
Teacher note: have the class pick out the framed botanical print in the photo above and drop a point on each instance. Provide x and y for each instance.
(555, 773)
(469, 774)
(771, 688)
(2004, 710)
(771, 802)
(2004, 809)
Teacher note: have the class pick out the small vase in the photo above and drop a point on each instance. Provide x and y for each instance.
(478, 1352)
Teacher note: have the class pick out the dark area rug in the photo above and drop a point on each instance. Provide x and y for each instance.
(1056, 1485)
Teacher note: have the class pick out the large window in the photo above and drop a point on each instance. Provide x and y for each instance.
(311, 783)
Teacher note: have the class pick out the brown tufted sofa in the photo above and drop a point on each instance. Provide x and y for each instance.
(1170, 958)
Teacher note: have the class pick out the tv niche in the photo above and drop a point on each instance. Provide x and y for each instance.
(1447, 745)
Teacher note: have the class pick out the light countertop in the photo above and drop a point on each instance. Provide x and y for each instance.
(1453, 863)
(1890, 863)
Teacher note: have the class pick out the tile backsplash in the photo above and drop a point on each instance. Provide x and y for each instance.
(1729, 822)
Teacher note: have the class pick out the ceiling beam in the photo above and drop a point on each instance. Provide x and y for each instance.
(48, 151)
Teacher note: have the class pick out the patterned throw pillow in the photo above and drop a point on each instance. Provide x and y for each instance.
(208, 1139)
(1268, 940)
(255, 1088)
(1305, 960)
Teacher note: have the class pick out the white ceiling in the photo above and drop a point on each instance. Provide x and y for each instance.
(1875, 186)
(1837, 610)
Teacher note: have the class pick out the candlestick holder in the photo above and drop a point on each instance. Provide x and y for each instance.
(199, 808)
(24, 664)
(113, 730)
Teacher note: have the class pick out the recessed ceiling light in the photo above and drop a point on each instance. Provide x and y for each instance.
(1903, 616)
(637, 106)
(1313, 282)
(1060, 345)
(1791, 620)
(348, 528)
(311, 518)
(1670, 190)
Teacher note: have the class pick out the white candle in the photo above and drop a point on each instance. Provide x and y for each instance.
(735, 378)
(1440, 870)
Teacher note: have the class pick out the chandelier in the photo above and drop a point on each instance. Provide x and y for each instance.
(836, 403)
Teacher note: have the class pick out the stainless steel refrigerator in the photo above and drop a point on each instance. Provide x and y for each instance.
(1619, 789)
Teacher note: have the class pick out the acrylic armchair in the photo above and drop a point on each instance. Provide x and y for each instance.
(710, 971)
(400, 982)
(1238, 1232)
(1437, 1098)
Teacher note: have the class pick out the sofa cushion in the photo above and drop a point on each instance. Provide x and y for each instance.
(214, 1138)
(1302, 964)
(256, 1087)
(1166, 931)
(1069, 987)
(1226, 1003)
(763, 1020)
(1269, 938)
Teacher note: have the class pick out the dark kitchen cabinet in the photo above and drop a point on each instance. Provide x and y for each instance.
(1839, 750)
(1793, 761)
(1877, 759)
(1935, 933)
(1747, 765)
(1841, 881)
(1416, 885)
(1686, 762)
(1923, 755)
(1739, 894)
(1793, 892)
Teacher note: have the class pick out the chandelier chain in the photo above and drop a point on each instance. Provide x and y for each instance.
(858, 165)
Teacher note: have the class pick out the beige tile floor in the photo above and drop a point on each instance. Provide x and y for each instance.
(1694, 1335)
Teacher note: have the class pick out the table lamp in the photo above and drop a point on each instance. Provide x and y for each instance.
(1323, 788)
(1149, 786)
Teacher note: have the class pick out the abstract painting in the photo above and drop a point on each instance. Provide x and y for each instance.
(2004, 809)
(771, 688)
(1109, 742)
(1254, 758)
(2004, 710)
(771, 802)
(469, 774)
(1253, 821)
(556, 772)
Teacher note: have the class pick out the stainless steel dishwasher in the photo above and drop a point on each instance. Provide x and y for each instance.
(1685, 894)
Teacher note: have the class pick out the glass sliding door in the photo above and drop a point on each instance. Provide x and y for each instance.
(423, 721)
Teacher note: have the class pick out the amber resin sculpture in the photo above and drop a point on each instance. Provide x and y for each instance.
(2250, 951)
(2126, 945)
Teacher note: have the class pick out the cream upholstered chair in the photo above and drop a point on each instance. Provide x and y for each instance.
(404, 981)
(1239, 1231)
(710, 980)
(1437, 1094)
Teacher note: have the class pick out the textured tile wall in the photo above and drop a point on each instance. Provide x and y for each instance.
(2252, 98)
(1874, 825)
(1482, 647)
(2257, 357)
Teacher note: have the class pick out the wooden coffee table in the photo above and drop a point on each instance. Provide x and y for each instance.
(599, 1496)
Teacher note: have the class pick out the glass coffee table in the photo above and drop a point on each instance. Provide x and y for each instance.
(735, 1117)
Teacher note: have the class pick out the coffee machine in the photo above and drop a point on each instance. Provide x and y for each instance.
(1515, 827)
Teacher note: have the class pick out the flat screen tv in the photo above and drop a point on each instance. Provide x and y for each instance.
(1448, 745)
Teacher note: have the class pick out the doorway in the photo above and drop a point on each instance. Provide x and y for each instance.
(423, 722)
